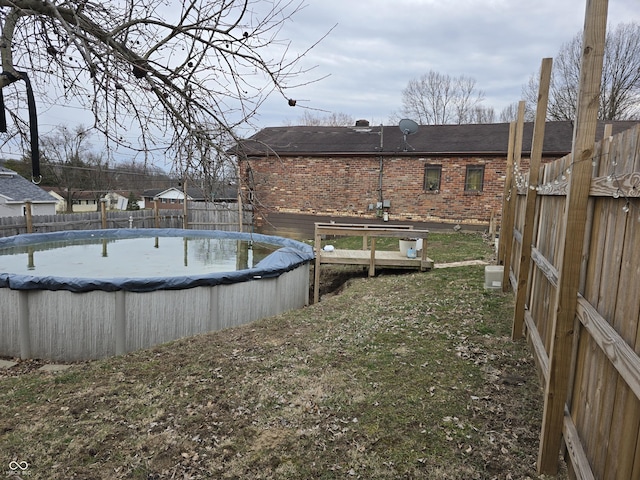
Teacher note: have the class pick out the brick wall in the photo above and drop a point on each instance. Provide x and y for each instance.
(346, 186)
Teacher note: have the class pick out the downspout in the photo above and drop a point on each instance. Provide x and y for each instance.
(381, 169)
(385, 213)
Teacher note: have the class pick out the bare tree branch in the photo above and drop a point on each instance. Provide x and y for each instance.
(335, 119)
(438, 99)
(620, 86)
(181, 74)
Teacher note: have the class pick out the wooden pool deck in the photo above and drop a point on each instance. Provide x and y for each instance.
(382, 259)
(368, 255)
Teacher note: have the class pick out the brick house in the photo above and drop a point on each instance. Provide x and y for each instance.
(441, 175)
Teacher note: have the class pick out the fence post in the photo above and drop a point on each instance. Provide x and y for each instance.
(575, 215)
(534, 178)
(185, 210)
(240, 211)
(29, 215)
(103, 212)
(156, 213)
(508, 180)
(512, 195)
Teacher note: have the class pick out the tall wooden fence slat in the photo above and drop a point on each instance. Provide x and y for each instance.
(601, 417)
(571, 240)
(506, 232)
(506, 204)
(530, 198)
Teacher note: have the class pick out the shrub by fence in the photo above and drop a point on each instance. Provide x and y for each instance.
(601, 422)
(200, 216)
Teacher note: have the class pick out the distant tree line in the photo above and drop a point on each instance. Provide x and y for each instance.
(70, 165)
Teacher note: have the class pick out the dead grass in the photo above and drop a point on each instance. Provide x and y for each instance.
(402, 376)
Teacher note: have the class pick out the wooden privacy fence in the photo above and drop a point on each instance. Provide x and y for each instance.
(199, 216)
(601, 422)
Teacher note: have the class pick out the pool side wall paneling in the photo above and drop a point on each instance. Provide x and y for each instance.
(66, 326)
(9, 323)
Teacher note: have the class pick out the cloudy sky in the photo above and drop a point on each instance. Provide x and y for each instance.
(377, 46)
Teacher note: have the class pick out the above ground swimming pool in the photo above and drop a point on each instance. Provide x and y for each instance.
(82, 295)
(139, 257)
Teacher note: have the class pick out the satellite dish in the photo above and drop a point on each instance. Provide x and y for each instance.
(407, 126)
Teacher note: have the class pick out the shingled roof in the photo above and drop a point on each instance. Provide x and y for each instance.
(480, 139)
(220, 191)
(16, 188)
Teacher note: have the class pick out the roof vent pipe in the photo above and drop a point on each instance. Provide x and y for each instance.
(362, 123)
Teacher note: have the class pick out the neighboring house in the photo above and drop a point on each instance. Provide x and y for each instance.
(224, 192)
(61, 203)
(86, 201)
(173, 197)
(442, 174)
(83, 201)
(120, 200)
(116, 201)
(16, 190)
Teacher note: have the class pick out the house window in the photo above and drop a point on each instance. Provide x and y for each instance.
(474, 180)
(432, 175)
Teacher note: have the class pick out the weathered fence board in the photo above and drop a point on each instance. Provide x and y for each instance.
(601, 421)
(528, 202)
(201, 216)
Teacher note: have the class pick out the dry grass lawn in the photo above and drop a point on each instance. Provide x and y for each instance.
(409, 376)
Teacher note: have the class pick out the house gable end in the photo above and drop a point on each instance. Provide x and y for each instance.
(18, 189)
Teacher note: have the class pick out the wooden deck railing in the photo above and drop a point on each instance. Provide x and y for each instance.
(368, 255)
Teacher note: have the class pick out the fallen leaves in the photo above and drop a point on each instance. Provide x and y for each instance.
(363, 385)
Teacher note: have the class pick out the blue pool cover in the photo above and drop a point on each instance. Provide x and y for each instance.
(290, 255)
